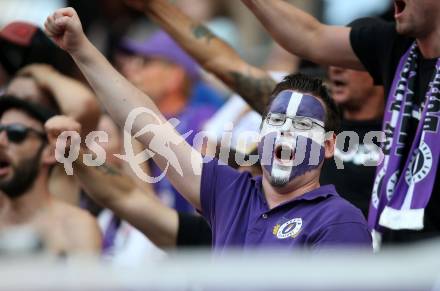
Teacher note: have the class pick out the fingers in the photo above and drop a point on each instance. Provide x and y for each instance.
(59, 124)
(57, 22)
(67, 11)
(52, 29)
(35, 69)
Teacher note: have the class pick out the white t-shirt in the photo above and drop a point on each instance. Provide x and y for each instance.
(130, 247)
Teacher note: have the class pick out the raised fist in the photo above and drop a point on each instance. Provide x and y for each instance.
(59, 124)
(64, 28)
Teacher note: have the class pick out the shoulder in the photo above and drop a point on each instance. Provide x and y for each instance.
(343, 211)
(343, 225)
(378, 46)
(377, 30)
(81, 228)
(371, 29)
(76, 219)
(371, 23)
(223, 176)
(223, 189)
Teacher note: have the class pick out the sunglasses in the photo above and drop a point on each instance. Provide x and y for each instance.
(17, 133)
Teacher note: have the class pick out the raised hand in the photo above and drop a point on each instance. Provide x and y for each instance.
(43, 74)
(65, 29)
(59, 124)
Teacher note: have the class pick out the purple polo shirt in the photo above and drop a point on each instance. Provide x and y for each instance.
(235, 206)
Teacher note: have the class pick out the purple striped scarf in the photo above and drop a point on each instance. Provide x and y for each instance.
(404, 183)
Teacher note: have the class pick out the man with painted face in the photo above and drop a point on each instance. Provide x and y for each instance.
(25, 162)
(404, 56)
(286, 207)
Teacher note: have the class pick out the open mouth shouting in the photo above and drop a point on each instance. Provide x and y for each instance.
(284, 154)
(399, 7)
(338, 85)
(5, 166)
(338, 82)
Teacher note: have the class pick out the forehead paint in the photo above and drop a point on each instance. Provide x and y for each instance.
(294, 103)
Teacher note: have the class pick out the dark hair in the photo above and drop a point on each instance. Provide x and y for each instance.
(40, 113)
(314, 86)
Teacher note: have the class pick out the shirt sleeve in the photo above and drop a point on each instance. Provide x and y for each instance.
(342, 234)
(372, 40)
(220, 190)
(193, 231)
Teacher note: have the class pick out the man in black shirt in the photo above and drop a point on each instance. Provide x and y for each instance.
(357, 153)
(405, 52)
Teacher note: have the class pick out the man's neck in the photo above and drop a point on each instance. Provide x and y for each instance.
(24, 208)
(372, 108)
(430, 45)
(171, 105)
(276, 197)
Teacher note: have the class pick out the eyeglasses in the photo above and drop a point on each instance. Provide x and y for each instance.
(300, 123)
(17, 133)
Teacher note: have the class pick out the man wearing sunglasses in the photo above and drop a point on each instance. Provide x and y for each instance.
(25, 163)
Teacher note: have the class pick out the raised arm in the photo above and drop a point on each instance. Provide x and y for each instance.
(212, 53)
(73, 97)
(170, 150)
(114, 190)
(303, 35)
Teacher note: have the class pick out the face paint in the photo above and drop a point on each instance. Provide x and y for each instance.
(285, 151)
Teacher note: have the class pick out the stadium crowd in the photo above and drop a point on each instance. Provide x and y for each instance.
(138, 149)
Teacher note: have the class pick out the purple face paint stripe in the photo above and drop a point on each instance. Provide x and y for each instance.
(311, 150)
(281, 102)
(309, 106)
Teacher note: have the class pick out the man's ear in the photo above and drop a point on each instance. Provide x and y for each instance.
(329, 144)
(48, 155)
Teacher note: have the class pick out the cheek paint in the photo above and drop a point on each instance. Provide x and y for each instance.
(308, 155)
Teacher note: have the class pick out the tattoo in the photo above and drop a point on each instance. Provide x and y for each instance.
(200, 31)
(256, 91)
(109, 170)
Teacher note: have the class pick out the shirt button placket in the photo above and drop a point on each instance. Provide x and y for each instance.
(264, 216)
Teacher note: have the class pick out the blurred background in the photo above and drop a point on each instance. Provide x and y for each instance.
(106, 21)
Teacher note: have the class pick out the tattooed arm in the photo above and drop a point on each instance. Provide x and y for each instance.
(212, 53)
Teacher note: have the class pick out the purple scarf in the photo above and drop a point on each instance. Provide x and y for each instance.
(404, 184)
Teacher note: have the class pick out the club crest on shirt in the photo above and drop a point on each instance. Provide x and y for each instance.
(289, 229)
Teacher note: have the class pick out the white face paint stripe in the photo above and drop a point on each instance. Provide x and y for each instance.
(294, 102)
